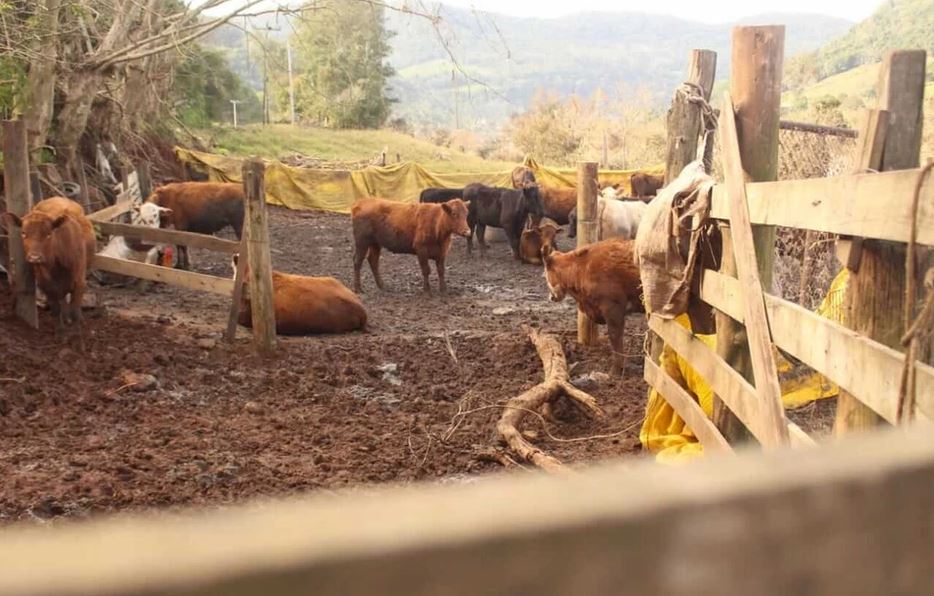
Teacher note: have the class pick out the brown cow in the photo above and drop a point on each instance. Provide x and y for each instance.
(308, 305)
(522, 176)
(59, 244)
(645, 185)
(534, 237)
(422, 229)
(557, 202)
(201, 207)
(604, 281)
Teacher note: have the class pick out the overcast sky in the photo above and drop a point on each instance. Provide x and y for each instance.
(711, 11)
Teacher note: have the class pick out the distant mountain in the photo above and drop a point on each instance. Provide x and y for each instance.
(897, 24)
(504, 60)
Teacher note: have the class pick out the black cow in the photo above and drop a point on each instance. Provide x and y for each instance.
(440, 195)
(504, 208)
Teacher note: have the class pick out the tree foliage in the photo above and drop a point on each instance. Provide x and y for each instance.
(341, 70)
(204, 87)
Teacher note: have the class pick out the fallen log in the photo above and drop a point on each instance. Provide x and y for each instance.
(555, 385)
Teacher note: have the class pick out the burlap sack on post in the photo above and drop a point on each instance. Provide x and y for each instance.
(673, 241)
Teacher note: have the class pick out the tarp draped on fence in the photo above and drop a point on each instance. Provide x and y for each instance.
(336, 190)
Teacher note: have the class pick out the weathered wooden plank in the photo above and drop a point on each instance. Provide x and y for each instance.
(733, 389)
(115, 210)
(869, 205)
(260, 275)
(175, 277)
(744, 251)
(168, 236)
(717, 526)
(685, 119)
(587, 227)
(19, 201)
(867, 369)
(686, 407)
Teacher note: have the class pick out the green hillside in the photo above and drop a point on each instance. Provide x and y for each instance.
(280, 140)
(898, 24)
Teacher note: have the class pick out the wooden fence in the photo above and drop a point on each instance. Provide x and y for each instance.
(852, 519)
(253, 249)
(874, 212)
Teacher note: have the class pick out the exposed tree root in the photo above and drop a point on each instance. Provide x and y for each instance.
(556, 384)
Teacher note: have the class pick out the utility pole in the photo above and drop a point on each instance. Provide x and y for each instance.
(288, 53)
(457, 115)
(234, 103)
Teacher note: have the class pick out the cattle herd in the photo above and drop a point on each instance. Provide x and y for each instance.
(602, 278)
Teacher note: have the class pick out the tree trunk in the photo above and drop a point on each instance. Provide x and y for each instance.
(40, 86)
(81, 89)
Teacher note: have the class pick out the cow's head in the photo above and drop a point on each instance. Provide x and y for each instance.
(456, 211)
(548, 230)
(149, 215)
(611, 192)
(532, 201)
(556, 291)
(522, 176)
(37, 230)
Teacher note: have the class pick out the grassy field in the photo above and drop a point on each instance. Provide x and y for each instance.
(278, 140)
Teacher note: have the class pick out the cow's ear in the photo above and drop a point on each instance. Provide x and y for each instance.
(11, 219)
(448, 209)
(164, 210)
(59, 221)
(559, 231)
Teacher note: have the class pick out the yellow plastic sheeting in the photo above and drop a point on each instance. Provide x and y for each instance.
(336, 190)
(665, 433)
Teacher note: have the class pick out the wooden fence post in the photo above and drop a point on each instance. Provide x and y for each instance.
(260, 260)
(685, 120)
(35, 186)
(755, 87)
(19, 201)
(586, 234)
(874, 298)
(685, 125)
(144, 177)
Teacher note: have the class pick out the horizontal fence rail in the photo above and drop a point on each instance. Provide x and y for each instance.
(751, 524)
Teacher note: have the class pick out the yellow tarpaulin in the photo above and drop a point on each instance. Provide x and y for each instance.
(336, 190)
(665, 433)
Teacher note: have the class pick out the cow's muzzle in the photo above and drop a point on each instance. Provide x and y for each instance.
(34, 259)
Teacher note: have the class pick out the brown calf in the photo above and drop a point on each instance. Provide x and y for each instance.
(59, 245)
(422, 229)
(534, 237)
(557, 202)
(202, 207)
(604, 281)
(309, 305)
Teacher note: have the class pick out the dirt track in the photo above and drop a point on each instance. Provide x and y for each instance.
(221, 425)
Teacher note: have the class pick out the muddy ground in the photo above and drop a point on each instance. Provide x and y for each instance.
(219, 425)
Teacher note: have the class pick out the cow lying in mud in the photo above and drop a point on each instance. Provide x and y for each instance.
(604, 281)
(423, 229)
(307, 305)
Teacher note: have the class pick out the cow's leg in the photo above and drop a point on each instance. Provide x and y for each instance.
(470, 225)
(426, 272)
(616, 330)
(77, 297)
(55, 307)
(358, 255)
(481, 239)
(373, 258)
(183, 263)
(439, 265)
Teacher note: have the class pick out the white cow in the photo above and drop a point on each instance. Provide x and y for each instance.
(617, 219)
(146, 214)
